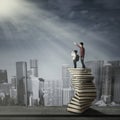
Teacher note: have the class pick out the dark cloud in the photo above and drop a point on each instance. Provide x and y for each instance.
(68, 4)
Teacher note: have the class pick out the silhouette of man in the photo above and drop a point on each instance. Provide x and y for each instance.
(82, 52)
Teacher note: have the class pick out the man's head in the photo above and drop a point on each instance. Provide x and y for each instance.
(81, 44)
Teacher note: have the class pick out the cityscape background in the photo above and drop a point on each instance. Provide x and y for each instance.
(36, 39)
(28, 89)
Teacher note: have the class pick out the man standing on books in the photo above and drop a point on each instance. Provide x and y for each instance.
(82, 52)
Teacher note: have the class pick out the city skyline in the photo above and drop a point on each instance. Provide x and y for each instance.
(32, 88)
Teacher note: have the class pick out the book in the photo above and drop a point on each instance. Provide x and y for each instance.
(73, 110)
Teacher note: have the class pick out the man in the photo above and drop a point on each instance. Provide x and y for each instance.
(75, 58)
(82, 52)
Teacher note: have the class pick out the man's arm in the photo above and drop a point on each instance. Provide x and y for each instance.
(76, 44)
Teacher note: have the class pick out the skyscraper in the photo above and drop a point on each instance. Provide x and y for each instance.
(3, 76)
(107, 84)
(42, 90)
(97, 71)
(21, 74)
(67, 95)
(66, 76)
(116, 85)
(67, 87)
(34, 67)
(13, 90)
(13, 82)
(33, 90)
(53, 93)
(116, 81)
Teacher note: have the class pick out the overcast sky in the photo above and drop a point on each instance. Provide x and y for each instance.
(30, 29)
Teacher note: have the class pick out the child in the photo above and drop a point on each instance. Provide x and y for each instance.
(75, 58)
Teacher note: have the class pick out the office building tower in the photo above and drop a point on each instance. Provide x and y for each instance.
(34, 67)
(107, 84)
(33, 91)
(68, 93)
(5, 93)
(5, 88)
(66, 76)
(42, 90)
(13, 95)
(53, 93)
(21, 76)
(116, 85)
(97, 71)
(67, 87)
(3, 76)
(115, 63)
(116, 81)
(13, 82)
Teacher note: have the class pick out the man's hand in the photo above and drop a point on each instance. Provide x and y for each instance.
(74, 43)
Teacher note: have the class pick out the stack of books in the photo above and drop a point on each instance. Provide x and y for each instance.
(85, 91)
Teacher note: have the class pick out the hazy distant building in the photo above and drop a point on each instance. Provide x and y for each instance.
(107, 84)
(53, 93)
(42, 91)
(116, 81)
(67, 95)
(21, 75)
(33, 83)
(5, 88)
(115, 63)
(5, 93)
(33, 90)
(67, 86)
(13, 95)
(13, 82)
(66, 76)
(3, 76)
(116, 87)
(97, 71)
(13, 90)
(34, 67)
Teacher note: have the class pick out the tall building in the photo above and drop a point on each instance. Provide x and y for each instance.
(67, 95)
(13, 90)
(67, 86)
(5, 88)
(5, 93)
(107, 84)
(3, 76)
(66, 76)
(13, 95)
(97, 71)
(53, 93)
(33, 90)
(34, 67)
(21, 75)
(116, 81)
(13, 82)
(116, 85)
(42, 90)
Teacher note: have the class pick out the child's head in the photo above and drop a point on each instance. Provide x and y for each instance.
(75, 51)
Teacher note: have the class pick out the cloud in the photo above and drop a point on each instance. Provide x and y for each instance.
(40, 34)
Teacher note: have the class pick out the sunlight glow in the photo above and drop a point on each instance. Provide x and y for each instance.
(9, 7)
